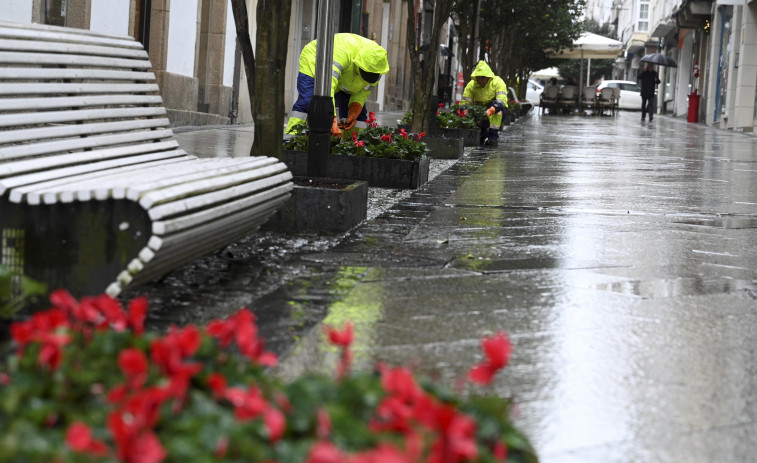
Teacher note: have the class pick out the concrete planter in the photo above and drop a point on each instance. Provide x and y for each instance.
(445, 148)
(387, 173)
(322, 205)
(471, 137)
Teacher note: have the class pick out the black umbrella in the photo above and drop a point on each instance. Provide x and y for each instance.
(659, 59)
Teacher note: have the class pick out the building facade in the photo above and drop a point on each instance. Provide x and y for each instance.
(193, 49)
(714, 43)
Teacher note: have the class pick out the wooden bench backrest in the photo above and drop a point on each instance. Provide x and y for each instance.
(69, 97)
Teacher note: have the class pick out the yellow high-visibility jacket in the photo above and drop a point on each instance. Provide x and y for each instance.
(351, 52)
(494, 91)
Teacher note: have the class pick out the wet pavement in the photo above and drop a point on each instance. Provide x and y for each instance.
(620, 257)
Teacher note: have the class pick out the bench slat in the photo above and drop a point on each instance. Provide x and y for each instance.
(52, 163)
(185, 222)
(135, 192)
(35, 46)
(20, 151)
(69, 131)
(11, 120)
(58, 74)
(20, 104)
(154, 201)
(210, 170)
(182, 248)
(61, 187)
(64, 34)
(118, 182)
(54, 88)
(38, 59)
(65, 172)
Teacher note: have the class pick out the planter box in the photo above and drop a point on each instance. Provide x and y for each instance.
(471, 137)
(444, 148)
(387, 173)
(322, 206)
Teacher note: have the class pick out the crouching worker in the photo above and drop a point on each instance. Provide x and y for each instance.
(488, 90)
(355, 70)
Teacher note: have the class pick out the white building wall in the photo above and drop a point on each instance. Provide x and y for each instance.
(110, 16)
(182, 38)
(744, 110)
(230, 48)
(685, 65)
(17, 11)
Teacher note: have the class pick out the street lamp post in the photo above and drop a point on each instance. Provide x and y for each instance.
(321, 109)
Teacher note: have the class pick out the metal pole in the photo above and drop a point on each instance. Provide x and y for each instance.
(321, 109)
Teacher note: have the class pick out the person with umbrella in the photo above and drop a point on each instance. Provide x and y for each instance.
(648, 80)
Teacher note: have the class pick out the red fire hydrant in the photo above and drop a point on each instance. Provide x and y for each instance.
(694, 106)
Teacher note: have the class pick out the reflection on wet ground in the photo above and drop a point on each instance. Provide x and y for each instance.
(620, 257)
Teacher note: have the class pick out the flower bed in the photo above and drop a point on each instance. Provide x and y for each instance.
(375, 154)
(88, 383)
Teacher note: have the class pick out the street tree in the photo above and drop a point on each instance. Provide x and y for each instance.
(266, 74)
(425, 75)
(514, 35)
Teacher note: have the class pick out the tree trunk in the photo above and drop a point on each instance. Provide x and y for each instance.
(270, 76)
(239, 9)
(424, 77)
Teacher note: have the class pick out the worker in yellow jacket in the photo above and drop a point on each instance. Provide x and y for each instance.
(488, 90)
(357, 65)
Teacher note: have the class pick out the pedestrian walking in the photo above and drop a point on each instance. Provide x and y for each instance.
(357, 66)
(649, 80)
(488, 90)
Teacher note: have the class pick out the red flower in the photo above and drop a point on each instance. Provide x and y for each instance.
(247, 404)
(386, 138)
(403, 133)
(497, 350)
(421, 135)
(500, 451)
(371, 122)
(457, 439)
(137, 314)
(360, 144)
(147, 449)
(323, 430)
(441, 105)
(242, 328)
(341, 338)
(133, 364)
(275, 423)
(79, 438)
(325, 452)
(217, 384)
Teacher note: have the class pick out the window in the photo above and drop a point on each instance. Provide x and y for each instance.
(643, 24)
(55, 12)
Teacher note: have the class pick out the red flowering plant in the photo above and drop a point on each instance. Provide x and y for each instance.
(87, 383)
(373, 141)
(460, 116)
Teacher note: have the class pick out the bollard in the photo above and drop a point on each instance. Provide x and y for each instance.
(693, 107)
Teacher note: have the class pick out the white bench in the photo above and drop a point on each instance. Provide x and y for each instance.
(95, 192)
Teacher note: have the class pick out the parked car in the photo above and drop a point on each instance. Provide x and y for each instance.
(630, 93)
(533, 91)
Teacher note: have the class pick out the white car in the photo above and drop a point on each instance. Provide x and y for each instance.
(533, 91)
(630, 93)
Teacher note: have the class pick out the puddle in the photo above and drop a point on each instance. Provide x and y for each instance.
(486, 265)
(728, 223)
(676, 287)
